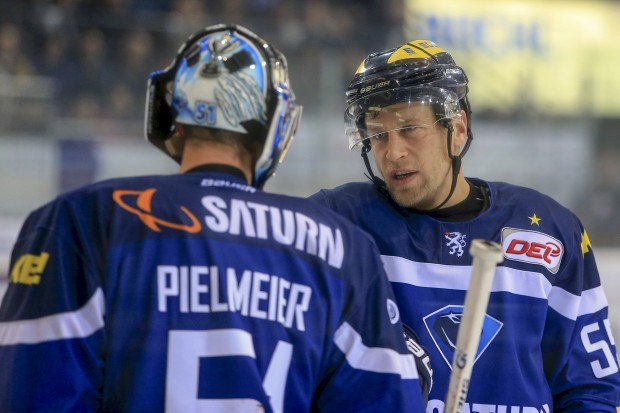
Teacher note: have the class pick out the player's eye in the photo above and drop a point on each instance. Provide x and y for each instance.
(377, 136)
(406, 132)
(412, 131)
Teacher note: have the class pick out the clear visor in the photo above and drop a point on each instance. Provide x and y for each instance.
(407, 109)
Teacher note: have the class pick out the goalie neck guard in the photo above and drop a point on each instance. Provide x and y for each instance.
(225, 77)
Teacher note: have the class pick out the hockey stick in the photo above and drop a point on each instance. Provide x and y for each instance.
(487, 255)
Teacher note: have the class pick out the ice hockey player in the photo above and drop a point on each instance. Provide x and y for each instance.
(546, 344)
(198, 291)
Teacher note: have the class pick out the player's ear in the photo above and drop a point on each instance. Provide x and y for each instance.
(459, 131)
(176, 143)
(179, 129)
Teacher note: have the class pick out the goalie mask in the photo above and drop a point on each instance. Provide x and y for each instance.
(225, 77)
(414, 74)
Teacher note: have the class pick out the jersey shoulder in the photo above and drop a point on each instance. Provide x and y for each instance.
(87, 204)
(353, 193)
(505, 195)
(507, 192)
(357, 201)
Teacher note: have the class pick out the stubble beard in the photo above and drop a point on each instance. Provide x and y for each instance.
(412, 197)
(423, 195)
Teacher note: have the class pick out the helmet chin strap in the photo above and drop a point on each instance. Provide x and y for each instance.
(378, 182)
(455, 166)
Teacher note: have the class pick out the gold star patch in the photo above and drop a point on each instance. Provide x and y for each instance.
(534, 220)
(585, 243)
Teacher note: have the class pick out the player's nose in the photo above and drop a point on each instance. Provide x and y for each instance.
(396, 146)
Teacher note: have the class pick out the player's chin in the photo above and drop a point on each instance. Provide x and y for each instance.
(404, 197)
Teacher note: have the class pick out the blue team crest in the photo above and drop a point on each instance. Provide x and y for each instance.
(456, 243)
(443, 326)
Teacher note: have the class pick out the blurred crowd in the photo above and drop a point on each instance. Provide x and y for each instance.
(98, 53)
(599, 205)
(62, 61)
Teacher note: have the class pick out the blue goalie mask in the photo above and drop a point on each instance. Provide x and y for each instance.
(227, 78)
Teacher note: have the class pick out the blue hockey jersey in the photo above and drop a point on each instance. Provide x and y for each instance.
(546, 344)
(196, 292)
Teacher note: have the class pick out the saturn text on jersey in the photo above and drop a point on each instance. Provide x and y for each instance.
(286, 227)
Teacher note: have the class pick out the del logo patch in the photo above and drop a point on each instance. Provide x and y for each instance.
(443, 326)
(532, 247)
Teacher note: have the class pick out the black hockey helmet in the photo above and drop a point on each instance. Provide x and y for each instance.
(417, 68)
(226, 77)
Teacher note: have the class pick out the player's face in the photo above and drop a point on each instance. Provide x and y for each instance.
(411, 152)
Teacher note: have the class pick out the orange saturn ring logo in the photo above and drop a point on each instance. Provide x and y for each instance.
(143, 211)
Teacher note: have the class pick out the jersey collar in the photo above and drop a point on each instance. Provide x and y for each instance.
(218, 167)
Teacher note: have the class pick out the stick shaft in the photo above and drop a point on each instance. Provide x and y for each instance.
(486, 255)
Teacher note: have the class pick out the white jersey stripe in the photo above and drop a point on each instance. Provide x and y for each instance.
(376, 359)
(526, 283)
(73, 324)
(456, 277)
(593, 300)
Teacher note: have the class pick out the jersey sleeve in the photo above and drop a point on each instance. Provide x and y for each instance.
(378, 373)
(320, 198)
(578, 347)
(51, 319)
